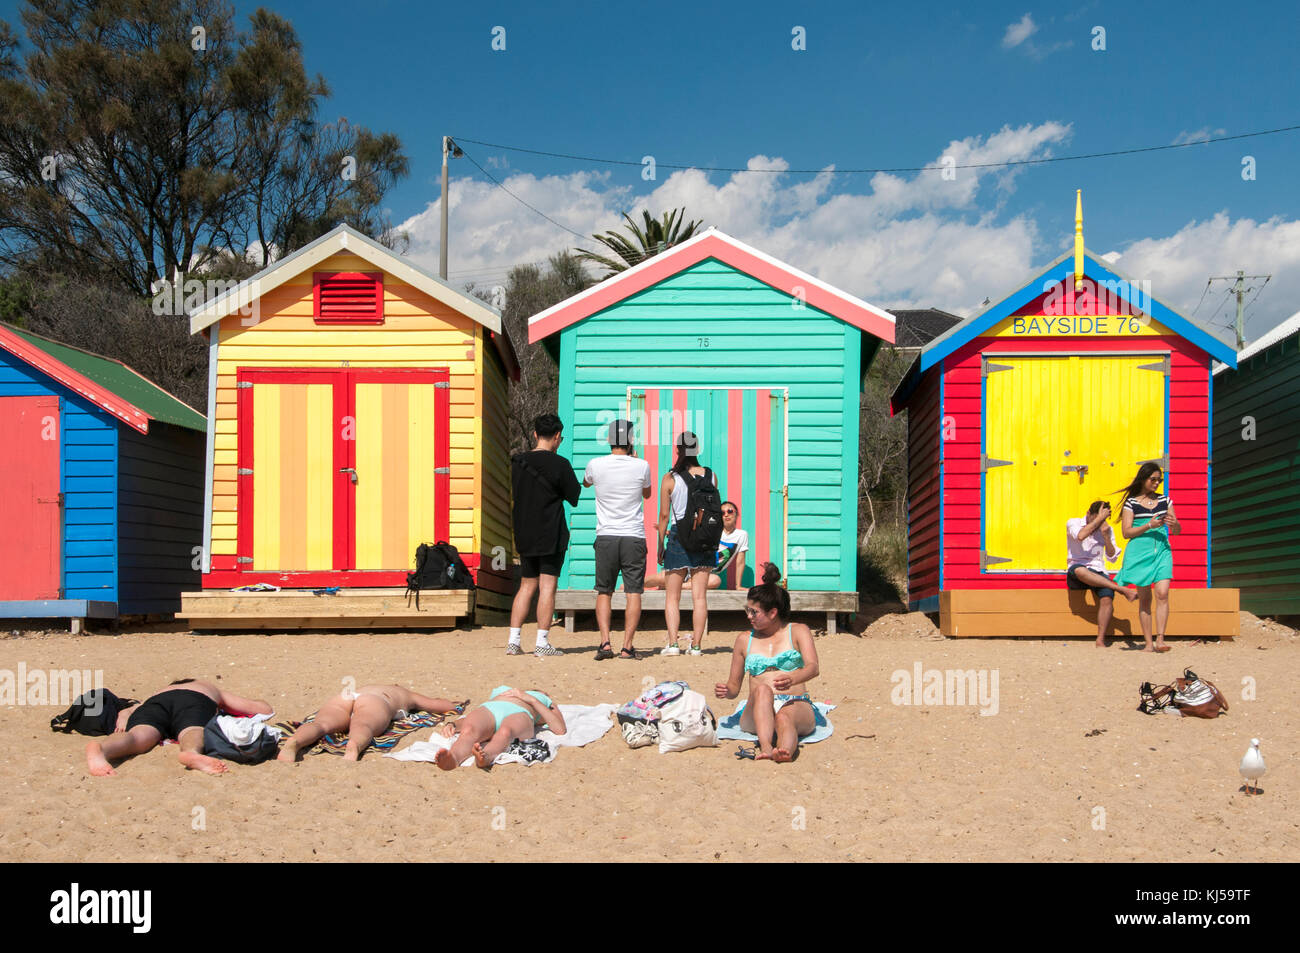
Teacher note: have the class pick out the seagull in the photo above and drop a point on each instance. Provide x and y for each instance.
(1252, 765)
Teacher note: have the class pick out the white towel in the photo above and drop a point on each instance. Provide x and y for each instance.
(585, 723)
(244, 731)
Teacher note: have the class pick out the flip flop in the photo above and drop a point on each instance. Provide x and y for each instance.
(745, 754)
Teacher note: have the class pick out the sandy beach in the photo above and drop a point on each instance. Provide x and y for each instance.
(1066, 769)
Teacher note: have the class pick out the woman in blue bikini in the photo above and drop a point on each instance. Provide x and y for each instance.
(781, 660)
(488, 730)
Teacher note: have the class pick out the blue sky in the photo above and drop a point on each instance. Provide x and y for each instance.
(902, 85)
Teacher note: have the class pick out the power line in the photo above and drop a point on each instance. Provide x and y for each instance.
(1202, 301)
(872, 171)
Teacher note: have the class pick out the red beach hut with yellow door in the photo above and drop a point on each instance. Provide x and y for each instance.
(1022, 415)
(357, 410)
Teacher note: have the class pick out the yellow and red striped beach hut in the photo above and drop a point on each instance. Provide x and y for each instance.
(357, 408)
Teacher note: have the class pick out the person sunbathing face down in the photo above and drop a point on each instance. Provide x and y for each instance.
(488, 730)
(363, 714)
(179, 711)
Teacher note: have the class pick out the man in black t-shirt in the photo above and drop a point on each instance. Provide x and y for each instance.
(543, 481)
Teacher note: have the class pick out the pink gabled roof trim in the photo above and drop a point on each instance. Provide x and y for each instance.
(75, 381)
(729, 251)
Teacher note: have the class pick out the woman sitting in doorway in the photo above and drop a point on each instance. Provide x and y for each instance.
(732, 548)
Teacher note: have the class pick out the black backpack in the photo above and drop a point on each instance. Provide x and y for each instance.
(216, 744)
(700, 529)
(437, 566)
(94, 713)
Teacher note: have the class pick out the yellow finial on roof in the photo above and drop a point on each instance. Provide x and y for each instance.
(1078, 239)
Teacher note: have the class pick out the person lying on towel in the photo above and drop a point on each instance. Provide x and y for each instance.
(363, 714)
(781, 660)
(179, 711)
(488, 730)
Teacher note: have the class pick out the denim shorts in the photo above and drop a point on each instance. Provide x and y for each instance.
(675, 557)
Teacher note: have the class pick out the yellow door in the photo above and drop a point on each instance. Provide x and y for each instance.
(396, 463)
(1060, 432)
(292, 478)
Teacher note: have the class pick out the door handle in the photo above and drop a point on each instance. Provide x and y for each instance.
(1079, 468)
(351, 472)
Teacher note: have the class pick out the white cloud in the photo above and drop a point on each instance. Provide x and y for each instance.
(913, 240)
(1200, 135)
(1019, 31)
(1179, 265)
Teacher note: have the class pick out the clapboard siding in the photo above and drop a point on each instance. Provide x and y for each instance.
(88, 482)
(1257, 471)
(711, 324)
(924, 482)
(160, 516)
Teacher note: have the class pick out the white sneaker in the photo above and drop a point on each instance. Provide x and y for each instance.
(670, 650)
(694, 651)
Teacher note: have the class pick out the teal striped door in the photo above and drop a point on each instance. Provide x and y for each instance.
(742, 433)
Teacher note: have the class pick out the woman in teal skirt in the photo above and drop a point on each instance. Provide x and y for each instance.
(1148, 521)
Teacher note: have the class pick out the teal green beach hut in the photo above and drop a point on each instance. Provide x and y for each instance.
(763, 362)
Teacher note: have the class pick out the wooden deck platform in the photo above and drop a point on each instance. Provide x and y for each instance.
(569, 601)
(1049, 613)
(303, 609)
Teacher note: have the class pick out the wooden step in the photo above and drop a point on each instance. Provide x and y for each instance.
(569, 601)
(387, 608)
(1049, 613)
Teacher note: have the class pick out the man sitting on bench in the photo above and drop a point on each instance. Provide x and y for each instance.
(1090, 541)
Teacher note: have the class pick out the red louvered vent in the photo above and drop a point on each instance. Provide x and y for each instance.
(349, 297)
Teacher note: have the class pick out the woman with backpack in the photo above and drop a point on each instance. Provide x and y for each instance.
(781, 659)
(690, 526)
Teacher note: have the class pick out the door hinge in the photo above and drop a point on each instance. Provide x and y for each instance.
(988, 463)
(986, 560)
(446, 470)
(443, 384)
(1161, 365)
(243, 384)
(244, 471)
(987, 368)
(244, 559)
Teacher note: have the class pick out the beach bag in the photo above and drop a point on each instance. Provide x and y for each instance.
(94, 713)
(437, 566)
(215, 743)
(1191, 696)
(687, 723)
(700, 528)
(1197, 697)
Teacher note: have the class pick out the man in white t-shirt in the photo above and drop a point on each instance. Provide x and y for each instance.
(1089, 543)
(622, 483)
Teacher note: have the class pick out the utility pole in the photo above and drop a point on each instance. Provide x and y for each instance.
(1240, 290)
(449, 150)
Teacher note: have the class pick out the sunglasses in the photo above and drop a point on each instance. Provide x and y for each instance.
(752, 612)
(728, 512)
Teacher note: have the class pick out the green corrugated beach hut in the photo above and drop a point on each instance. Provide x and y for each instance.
(1255, 535)
(762, 361)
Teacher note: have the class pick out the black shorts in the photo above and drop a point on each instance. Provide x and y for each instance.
(530, 567)
(173, 711)
(625, 554)
(1072, 582)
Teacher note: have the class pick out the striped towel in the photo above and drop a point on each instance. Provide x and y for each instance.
(337, 743)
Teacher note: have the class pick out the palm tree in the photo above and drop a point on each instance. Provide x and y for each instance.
(644, 243)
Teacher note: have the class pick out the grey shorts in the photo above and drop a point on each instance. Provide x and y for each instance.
(615, 554)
